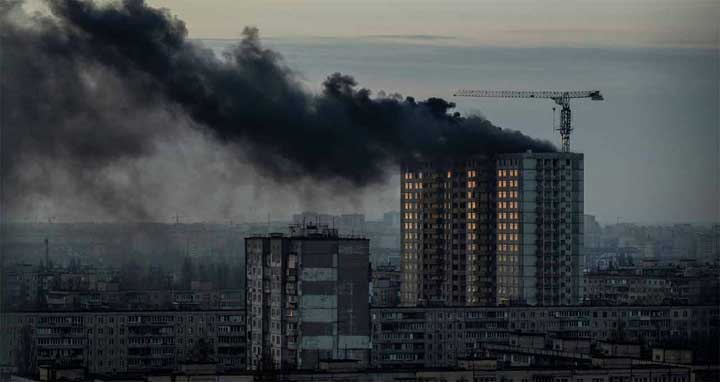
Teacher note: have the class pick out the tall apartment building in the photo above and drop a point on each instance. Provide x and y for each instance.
(306, 298)
(447, 240)
(493, 230)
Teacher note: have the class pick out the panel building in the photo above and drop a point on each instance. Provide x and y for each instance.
(423, 337)
(493, 230)
(111, 342)
(307, 298)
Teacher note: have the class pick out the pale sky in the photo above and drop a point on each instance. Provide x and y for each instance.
(493, 22)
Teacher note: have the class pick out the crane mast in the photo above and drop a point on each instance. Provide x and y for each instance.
(562, 98)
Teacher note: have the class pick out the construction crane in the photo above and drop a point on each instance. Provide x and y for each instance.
(561, 98)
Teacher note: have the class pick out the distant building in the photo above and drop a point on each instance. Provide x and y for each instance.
(307, 298)
(676, 356)
(478, 370)
(351, 225)
(345, 224)
(592, 232)
(708, 246)
(109, 342)
(392, 219)
(431, 337)
(315, 218)
(654, 284)
(385, 286)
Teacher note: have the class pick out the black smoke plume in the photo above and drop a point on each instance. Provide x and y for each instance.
(93, 86)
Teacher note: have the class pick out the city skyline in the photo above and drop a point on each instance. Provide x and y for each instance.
(359, 191)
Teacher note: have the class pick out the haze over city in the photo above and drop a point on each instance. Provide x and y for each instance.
(652, 144)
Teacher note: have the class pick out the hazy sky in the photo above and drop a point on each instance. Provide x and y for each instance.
(651, 147)
(498, 22)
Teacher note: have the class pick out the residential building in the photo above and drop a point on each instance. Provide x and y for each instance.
(423, 337)
(307, 298)
(448, 232)
(654, 284)
(111, 342)
(493, 230)
(385, 286)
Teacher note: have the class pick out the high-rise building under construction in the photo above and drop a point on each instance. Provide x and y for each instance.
(486, 230)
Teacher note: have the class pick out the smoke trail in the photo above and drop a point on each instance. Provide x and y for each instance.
(94, 86)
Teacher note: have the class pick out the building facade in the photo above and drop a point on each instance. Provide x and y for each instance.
(424, 337)
(110, 342)
(385, 283)
(307, 298)
(493, 230)
(540, 228)
(447, 232)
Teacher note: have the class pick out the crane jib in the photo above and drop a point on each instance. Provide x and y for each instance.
(562, 98)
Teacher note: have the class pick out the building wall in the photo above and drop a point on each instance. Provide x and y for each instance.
(386, 281)
(307, 299)
(447, 233)
(540, 228)
(438, 337)
(120, 342)
(269, 291)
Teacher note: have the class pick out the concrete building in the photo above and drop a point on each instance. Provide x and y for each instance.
(424, 337)
(655, 284)
(307, 298)
(385, 286)
(540, 228)
(592, 231)
(346, 224)
(708, 245)
(470, 371)
(493, 230)
(392, 219)
(111, 342)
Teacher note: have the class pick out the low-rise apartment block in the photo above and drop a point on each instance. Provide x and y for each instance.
(441, 337)
(123, 342)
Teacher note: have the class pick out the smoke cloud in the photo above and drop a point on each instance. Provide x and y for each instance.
(92, 90)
